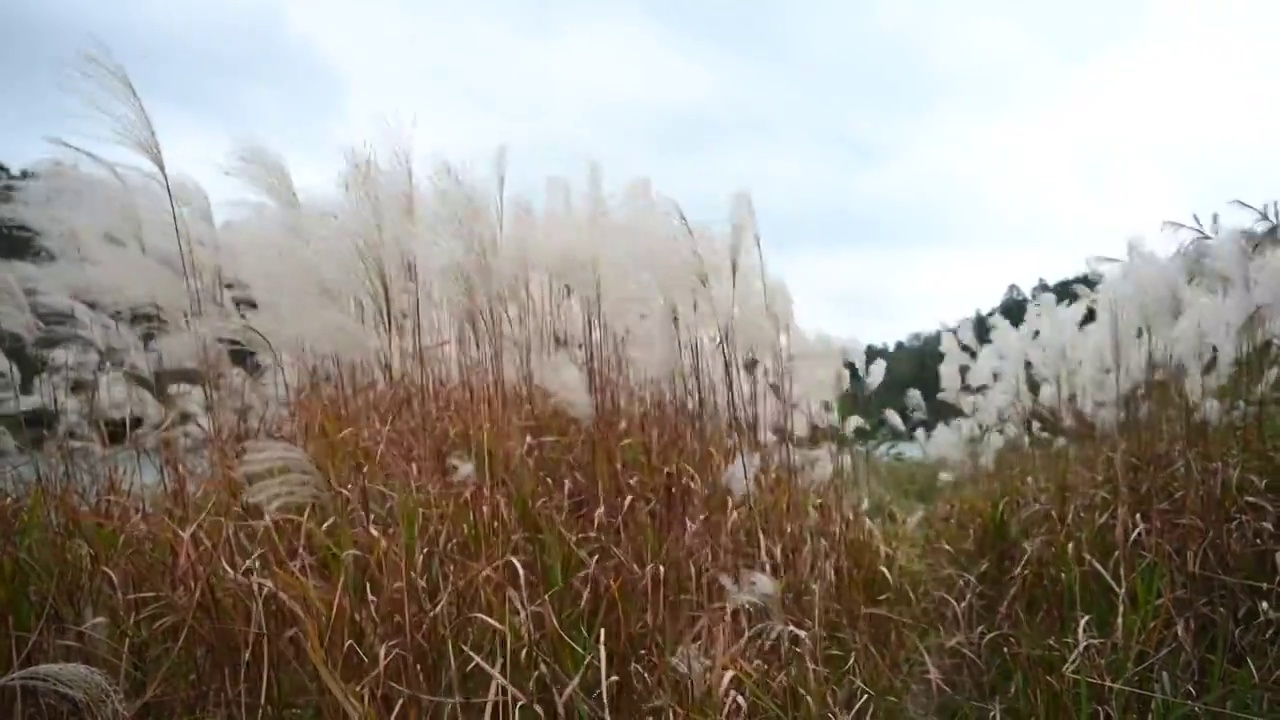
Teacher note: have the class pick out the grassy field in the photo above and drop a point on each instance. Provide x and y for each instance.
(440, 536)
(469, 552)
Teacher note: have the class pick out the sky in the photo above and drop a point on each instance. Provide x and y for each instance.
(908, 159)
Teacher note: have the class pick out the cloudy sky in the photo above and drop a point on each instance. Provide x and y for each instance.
(909, 159)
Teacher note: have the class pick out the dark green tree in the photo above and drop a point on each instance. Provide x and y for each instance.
(17, 241)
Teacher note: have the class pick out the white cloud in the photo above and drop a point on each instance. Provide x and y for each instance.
(470, 79)
(1169, 118)
(909, 159)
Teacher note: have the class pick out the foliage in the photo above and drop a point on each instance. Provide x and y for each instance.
(17, 241)
(914, 361)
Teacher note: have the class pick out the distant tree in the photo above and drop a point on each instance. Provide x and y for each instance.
(913, 362)
(17, 241)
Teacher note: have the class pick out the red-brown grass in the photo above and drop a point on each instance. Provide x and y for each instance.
(579, 553)
(1124, 575)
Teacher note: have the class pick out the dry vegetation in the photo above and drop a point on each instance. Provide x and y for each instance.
(580, 572)
(426, 536)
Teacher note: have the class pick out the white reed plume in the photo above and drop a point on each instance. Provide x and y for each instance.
(279, 476)
(87, 688)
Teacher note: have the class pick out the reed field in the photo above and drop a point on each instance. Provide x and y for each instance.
(426, 449)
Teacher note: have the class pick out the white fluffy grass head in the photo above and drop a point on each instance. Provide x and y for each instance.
(400, 248)
(1188, 315)
(345, 276)
(83, 687)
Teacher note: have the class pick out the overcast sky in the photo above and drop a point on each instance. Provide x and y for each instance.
(908, 159)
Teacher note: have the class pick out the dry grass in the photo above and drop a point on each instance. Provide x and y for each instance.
(590, 570)
(428, 538)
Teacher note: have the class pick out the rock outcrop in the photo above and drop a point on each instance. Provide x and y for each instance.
(82, 380)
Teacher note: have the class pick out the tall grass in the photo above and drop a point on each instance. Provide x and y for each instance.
(575, 462)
